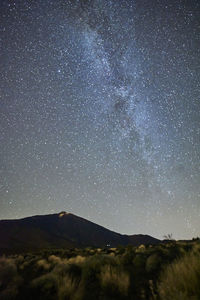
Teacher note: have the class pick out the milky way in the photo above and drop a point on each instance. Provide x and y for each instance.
(100, 112)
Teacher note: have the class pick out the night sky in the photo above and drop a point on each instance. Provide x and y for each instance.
(100, 112)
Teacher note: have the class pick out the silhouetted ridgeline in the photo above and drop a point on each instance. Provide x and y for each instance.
(63, 230)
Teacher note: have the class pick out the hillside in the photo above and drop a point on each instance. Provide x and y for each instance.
(62, 230)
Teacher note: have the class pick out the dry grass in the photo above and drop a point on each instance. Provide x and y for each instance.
(181, 280)
(77, 259)
(55, 259)
(43, 264)
(67, 287)
(112, 277)
(9, 279)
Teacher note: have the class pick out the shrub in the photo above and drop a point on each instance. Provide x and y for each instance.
(43, 264)
(139, 262)
(67, 287)
(153, 263)
(76, 260)
(54, 259)
(45, 286)
(114, 280)
(10, 280)
(128, 256)
(181, 280)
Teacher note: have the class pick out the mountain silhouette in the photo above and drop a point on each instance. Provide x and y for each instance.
(62, 230)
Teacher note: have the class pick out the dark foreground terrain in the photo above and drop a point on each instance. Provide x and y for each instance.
(168, 271)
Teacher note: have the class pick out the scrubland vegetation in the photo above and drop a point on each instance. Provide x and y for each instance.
(169, 271)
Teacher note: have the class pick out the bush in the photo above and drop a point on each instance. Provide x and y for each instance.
(181, 280)
(45, 286)
(114, 281)
(10, 281)
(153, 263)
(43, 264)
(67, 287)
(77, 274)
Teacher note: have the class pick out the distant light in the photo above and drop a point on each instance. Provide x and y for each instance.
(63, 213)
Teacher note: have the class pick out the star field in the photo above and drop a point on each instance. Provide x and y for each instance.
(100, 112)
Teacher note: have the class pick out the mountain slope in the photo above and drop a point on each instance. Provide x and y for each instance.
(62, 230)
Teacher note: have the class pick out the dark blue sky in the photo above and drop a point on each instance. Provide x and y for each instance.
(100, 112)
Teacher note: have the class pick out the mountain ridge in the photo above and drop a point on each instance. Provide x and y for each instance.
(62, 230)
